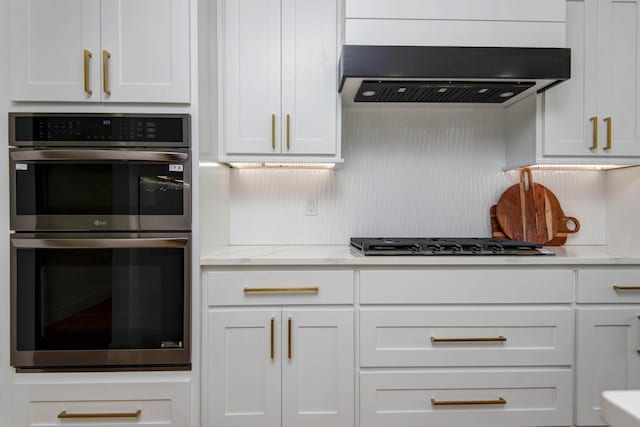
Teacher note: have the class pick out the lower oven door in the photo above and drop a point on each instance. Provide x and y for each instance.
(100, 190)
(88, 301)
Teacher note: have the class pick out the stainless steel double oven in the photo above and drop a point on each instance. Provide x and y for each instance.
(101, 249)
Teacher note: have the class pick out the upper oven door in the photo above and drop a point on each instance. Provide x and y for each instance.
(100, 189)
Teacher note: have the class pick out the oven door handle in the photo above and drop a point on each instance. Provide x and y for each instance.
(99, 243)
(122, 155)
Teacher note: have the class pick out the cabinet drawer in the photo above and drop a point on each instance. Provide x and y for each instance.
(253, 287)
(505, 398)
(474, 286)
(460, 337)
(609, 286)
(81, 404)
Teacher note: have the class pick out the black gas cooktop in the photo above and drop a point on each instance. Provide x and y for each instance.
(445, 246)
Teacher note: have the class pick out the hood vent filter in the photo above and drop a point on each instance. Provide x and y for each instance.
(439, 91)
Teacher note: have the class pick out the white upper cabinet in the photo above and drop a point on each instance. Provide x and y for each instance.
(515, 23)
(279, 80)
(100, 50)
(596, 112)
(594, 117)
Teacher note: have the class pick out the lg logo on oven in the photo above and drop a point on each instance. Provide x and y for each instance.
(100, 222)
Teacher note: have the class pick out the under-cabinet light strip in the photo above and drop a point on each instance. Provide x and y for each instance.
(283, 165)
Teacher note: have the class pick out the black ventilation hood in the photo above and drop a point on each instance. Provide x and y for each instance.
(433, 74)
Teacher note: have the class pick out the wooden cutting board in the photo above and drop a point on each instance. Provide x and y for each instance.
(496, 231)
(531, 212)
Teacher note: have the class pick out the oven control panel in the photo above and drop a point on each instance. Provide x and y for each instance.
(99, 129)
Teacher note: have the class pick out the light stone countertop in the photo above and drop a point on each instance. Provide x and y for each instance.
(330, 255)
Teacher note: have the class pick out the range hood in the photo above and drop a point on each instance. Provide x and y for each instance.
(456, 75)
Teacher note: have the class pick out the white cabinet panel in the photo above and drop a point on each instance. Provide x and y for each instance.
(318, 371)
(604, 286)
(404, 399)
(152, 404)
(244, 368)
(260, 287)
(607, 357)
(149, 45)
(436, 286)
(489, 10)
(251, 87)
(427, 337)
(48, 40)
(309, 78)
(411, 32)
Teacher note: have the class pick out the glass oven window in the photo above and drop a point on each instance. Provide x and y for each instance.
(89, 299)
(118, 188)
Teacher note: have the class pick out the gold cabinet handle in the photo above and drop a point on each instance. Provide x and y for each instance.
(64, 415)
(273, 348)
(105, 71)
(594, 120)
(289, 338)
(273, 131)
(499, 401)
(619, 288)
(303, 289)
(609, 142)
(87, 55)
(288, 131)
(491, 339)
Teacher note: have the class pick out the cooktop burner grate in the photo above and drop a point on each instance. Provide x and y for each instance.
(445, 246)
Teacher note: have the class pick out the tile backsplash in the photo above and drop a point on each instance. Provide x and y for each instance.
(408, 171)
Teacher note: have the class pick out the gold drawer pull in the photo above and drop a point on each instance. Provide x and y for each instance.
(594, 120)
(137, 414)
(307, 289)
(492, 339)
(435, 402)
(105, 71)
(618, 288)
(87, 55)
(609, 141)
(273, 351)
(289, 338)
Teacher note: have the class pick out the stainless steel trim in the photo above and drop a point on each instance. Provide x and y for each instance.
(108, 360)
(98, 243)
(89, 154)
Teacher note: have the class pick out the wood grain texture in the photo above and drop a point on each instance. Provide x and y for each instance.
(531, 212)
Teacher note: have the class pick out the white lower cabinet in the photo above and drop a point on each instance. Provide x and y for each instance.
(456, 398)
(279, 348)
(77, 403)
(607, 357)
(502, 356)
(281, 367)
(608, 337)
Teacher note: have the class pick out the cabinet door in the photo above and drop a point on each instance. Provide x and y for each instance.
(568, 107)
(318, 368)
(309, 76)
(148, 43)
(607, 357)
(244, 368)
(251, 75)
(619, 75)
(48, 40)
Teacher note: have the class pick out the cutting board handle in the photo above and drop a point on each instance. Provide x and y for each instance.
(562, 227)
(526, 182)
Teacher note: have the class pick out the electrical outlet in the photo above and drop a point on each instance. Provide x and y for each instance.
(311, 206)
